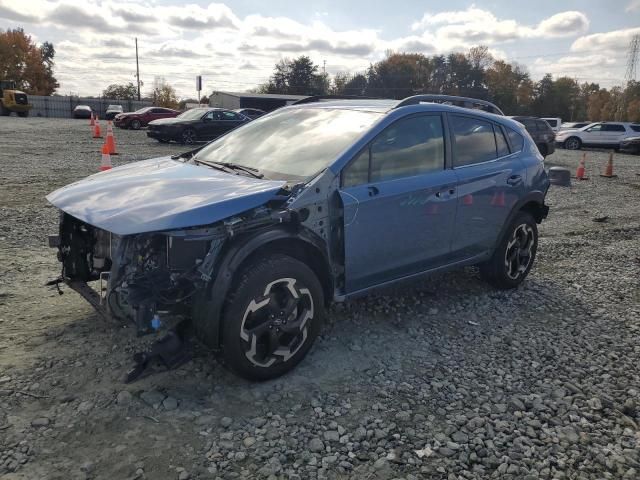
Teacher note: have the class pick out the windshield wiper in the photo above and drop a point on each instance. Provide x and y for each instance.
(226, 166)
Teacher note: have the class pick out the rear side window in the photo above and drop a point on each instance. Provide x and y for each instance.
(552, 122)
(529, 124)
(609, 127)
(517, 142)
(474, 141)
(408, 147)
(542, 126)
(501, 142)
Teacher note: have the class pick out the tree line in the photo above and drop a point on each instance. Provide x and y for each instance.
(472, 74)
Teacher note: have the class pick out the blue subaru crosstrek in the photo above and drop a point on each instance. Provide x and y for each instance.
(249, 237)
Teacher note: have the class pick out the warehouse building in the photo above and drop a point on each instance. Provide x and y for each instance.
(263, 101)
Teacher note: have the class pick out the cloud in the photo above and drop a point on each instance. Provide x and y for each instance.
(193, 17)
(612, 41)
(321, 45)
(248, 66)
(475, 25)
(133, 16)
(564, 24)
(10, 14)
(71, 16)
(633, 6)
(116, 43)
(175, 51)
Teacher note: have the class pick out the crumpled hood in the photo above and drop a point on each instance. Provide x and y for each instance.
(161, 194)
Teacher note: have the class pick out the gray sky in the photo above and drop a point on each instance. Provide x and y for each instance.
(234, 45)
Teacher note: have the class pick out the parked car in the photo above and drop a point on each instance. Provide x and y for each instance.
(252, 113)
(573, 125)
(196, 125)
(82, 111)
(541, 133)
(141, 118)
(112, 111)
(554, 123)
(599, 134)
(254, 233)
(630, 144)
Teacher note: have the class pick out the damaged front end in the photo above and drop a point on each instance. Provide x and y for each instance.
(141, 276)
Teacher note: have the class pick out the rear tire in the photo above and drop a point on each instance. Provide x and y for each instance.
(23, 114)
(573, 143)
(514, 256)
(544, 151)
(5, 112)
(272, 317)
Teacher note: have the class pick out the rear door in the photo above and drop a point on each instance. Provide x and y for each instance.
(491, 178)
(612, 133)
(399, 203)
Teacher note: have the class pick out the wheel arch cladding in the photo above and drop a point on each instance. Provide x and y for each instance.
(301, 245)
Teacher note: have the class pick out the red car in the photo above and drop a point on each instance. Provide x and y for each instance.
(142, 117)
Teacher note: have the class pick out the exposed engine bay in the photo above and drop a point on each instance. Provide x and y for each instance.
(141, 275)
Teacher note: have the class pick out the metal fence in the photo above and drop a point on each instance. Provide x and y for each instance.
(62, 106)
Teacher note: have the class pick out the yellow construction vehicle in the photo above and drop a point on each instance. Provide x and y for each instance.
(12, 100)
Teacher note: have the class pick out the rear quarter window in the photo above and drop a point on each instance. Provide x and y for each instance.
(516, 140)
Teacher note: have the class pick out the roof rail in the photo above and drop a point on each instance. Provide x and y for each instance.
(464, 102)
(323, 98)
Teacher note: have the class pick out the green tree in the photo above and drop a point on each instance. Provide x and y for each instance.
(164, 95)
(121, 92)
(23, 62)
(297, 77)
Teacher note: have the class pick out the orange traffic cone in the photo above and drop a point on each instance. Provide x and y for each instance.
(467, 199)
(608, 171)
(110, 140)
(96, 129)
(105, 163)
(498, 199)
(581, 173)
(91, 120)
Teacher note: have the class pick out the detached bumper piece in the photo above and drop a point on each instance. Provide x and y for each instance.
(170, 352)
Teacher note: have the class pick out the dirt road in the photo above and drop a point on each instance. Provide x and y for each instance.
(443, 378)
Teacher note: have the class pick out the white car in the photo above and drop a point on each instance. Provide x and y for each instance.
(599, 134)
(554, 123)
(112, 111)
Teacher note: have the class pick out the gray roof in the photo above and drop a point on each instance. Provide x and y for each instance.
(274, 96)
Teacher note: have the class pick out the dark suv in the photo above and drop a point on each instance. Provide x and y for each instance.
(252, 235)
(541, 133)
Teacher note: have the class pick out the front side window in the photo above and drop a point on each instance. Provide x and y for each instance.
(595, 128)
(409, 147)
(229, 115)
(474, 141)
(635, 128)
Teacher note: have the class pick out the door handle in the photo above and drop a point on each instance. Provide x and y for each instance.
(373, 191)
(514, 180)
(451, 191)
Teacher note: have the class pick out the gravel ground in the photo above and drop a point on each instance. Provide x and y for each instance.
(439, 379)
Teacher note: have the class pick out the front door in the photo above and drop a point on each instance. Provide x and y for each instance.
(593, 135)
(399, 204)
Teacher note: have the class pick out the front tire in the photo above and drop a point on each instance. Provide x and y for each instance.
(188, 137)
(23, 114)
(272, 318)
(514, 256)
(135, 124)
(573, 143)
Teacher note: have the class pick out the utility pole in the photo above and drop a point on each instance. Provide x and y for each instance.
(137, 69)
(324, 66)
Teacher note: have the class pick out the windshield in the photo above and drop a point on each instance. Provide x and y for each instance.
(142, 110)
(114, 107)
(291, 143)
(193, 114)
